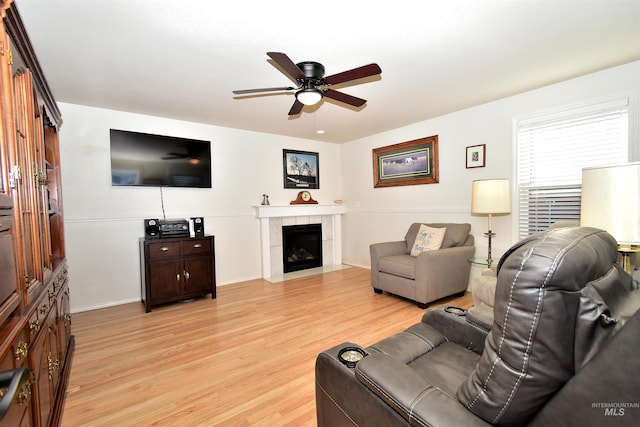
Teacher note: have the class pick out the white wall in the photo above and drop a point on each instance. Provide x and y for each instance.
(103, 223)
(385, 213)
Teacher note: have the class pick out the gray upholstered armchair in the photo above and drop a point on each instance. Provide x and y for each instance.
(428, 276)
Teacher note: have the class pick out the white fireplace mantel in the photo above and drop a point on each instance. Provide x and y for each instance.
(298, 210)
(273, 217)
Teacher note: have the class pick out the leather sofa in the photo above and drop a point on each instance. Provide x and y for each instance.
(429, 276)
(563, 349)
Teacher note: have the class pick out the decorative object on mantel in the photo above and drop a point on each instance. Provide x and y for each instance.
(301, 169)
(304, 198)
(265, 200)
(407, 163)
(490, 197)
(476, 156)
(611, 201)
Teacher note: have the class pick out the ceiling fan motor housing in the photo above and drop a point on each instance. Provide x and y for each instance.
(312, 70)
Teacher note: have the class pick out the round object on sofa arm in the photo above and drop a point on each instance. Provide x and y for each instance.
(350, 356)
(458, 311)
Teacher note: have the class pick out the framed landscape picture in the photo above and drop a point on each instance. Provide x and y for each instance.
(407, 163)
(301, 169)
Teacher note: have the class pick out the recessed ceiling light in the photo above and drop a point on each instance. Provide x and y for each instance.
(320, 131)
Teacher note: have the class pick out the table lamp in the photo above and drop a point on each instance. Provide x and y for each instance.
(490, 197)
(611, 201)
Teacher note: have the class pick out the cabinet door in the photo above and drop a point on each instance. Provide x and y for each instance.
(166, 280)
(7, 130)
(18, 414)
(53, 356)
(42, 387)
(30, 190)
(25, 194)
(64, 323)
(198, 275)
(54, 195)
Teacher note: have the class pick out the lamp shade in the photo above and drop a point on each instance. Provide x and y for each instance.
(611, 201)
(491, 196)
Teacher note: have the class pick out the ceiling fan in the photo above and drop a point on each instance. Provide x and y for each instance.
(192, 154)
(312, 84)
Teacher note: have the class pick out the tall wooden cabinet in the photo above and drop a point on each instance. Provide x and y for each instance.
(35, 319)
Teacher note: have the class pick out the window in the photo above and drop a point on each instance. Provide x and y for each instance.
(553, 149)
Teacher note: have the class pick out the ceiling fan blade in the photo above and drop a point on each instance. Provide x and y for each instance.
(265, 89)
(287, 65)
(343, 97)
(354, 74)
(296, 108)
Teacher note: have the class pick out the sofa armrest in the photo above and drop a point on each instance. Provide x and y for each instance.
(463, 253)
(379, 250)
(417, 400)
(456, 329)
(443, 272)
(341, 399)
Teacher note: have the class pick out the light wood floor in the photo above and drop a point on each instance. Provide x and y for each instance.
(244, 359)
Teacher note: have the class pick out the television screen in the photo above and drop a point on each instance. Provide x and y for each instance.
(156, 160)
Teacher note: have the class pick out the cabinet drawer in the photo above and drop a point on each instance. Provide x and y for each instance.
(196, 247)
(162, 250)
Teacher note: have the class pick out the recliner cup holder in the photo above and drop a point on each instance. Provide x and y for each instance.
(458, 311)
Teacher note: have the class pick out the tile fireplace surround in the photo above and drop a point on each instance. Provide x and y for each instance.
(272, 218)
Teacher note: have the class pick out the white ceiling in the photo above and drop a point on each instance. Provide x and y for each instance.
(182, 59)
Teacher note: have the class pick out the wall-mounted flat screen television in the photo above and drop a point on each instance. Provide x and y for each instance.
(154, 160)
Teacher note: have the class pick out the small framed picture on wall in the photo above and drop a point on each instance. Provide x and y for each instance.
(476, 156)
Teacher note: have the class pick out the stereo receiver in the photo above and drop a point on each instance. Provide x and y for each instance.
(173, 228)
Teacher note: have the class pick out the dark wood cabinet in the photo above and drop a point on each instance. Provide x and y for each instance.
(177, 269)
(35, 319)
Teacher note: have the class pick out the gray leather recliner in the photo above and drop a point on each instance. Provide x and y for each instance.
(563, 350)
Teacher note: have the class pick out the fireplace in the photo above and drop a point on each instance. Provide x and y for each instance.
(273, 218)
(301, 247)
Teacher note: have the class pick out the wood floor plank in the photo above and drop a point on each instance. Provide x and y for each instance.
(244, 359)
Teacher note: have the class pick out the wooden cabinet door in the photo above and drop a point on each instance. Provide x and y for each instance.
(7, 128)
(42, 385)
(19, 414)
(53, 355)
(166, 280)
(64, 323)
(198, 274)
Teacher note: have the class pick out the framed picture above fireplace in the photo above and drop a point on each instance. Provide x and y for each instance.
(300, 169)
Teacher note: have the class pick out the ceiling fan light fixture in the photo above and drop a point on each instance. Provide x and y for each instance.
(309, 96)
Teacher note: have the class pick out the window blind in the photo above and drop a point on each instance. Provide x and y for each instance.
(553, 149)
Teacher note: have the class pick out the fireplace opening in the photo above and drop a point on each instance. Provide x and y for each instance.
(301, 247)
